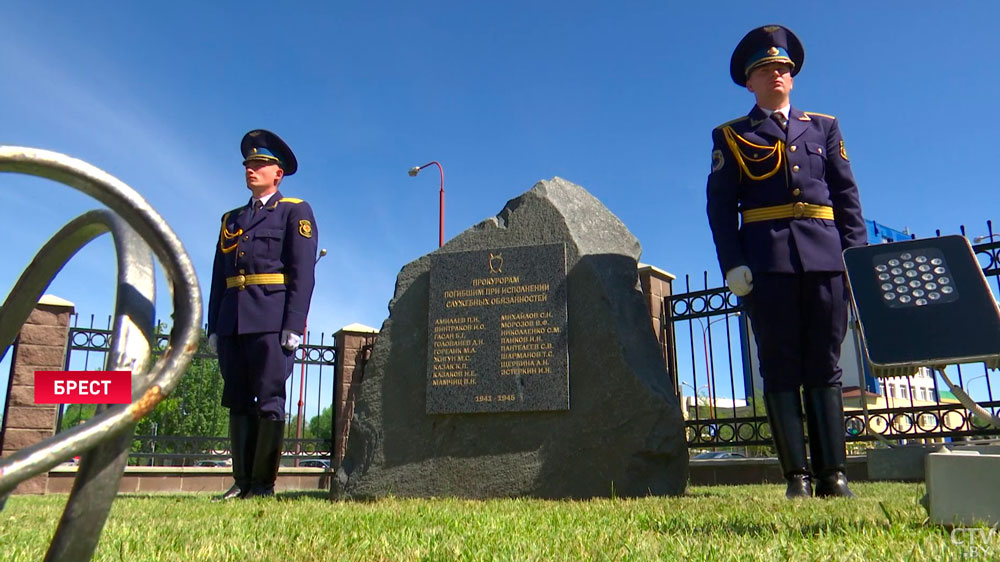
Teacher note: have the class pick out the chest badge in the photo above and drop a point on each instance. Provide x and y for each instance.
(305, 228)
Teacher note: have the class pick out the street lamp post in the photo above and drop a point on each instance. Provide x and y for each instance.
(302, 383)
(695, 390)
(968, 382)
(708, 371)
(413, 173)
(979, 239)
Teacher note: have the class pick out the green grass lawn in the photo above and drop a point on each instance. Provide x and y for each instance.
(886, 522)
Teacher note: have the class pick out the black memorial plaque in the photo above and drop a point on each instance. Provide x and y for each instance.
(496, 331)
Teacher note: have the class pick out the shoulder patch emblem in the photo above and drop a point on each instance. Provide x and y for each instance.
(843, 152)
(718, 160)
(305, 228)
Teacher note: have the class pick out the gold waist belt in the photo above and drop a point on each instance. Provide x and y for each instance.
(242, 281)
(798, 210)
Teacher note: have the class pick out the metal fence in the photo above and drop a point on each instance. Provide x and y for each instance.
(309, 392)
(718, 382)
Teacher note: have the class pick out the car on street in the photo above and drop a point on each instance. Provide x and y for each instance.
(719, 455)
(212, 464)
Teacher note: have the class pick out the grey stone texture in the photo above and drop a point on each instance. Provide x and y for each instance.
(623, 434)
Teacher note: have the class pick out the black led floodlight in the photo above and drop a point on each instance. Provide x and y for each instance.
(923, 303)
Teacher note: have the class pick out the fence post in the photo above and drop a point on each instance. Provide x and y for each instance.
(353, 345)
(656, 285)
(40, 346)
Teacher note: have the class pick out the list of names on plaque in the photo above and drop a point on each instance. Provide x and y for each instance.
(455, 341)
(497, 331)
(526, 343)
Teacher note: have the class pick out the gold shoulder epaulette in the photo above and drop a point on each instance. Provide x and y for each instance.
(819, 114)
(289, 200)
(737, 120)
(225, 235)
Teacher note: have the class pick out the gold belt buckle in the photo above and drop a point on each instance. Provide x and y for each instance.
(242, 280)
(798, 209)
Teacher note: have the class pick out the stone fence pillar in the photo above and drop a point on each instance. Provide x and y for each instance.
(657, 284)
(354, 344)
(40, 346)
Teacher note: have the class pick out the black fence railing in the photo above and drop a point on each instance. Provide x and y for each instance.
(176, 450)
(309, 391)
(719, 386)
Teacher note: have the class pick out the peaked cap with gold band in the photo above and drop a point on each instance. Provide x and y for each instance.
(264, 146)
(770, 43)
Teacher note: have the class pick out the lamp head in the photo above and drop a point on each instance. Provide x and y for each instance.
(413, 171)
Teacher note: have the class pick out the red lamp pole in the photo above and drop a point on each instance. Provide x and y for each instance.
(708, 370)
(302, 402)
(302, 383)
(413, 172)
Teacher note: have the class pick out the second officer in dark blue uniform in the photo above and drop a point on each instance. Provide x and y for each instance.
(262, 283)
(783, 206)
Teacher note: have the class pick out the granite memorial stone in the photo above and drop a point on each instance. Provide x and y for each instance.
(618, 431)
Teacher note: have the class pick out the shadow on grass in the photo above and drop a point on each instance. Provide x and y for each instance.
(293, 495)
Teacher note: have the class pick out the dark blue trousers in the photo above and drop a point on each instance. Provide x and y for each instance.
(799, 320)
(254, 370)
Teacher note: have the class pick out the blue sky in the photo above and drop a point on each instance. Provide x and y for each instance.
(617, 97)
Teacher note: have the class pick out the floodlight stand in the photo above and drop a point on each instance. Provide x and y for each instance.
(969, 403)
(855, 323)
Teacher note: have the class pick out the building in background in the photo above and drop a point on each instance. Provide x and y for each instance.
(880, 234)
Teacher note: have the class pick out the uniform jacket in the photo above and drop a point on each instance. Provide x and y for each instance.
(280, 238)
(754, 165)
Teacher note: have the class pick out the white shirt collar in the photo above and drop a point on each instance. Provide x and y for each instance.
(263, 200)
(782, 110)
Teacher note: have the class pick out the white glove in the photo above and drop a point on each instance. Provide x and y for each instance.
(213, 343)
(740, 280)
(290, 340)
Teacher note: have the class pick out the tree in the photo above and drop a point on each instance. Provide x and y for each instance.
(74, 414)
(321, 426)
(193, 409)
(293, 425)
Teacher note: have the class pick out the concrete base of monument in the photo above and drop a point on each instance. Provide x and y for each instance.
(610, 424)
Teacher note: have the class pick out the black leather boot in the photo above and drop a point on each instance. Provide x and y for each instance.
(827, 440)
(267, 458)
(784, 413)
(242, 444)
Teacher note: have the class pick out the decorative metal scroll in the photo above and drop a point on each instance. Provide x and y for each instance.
(699, 304)
(103, 441)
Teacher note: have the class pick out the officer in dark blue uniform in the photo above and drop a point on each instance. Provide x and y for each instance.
(262, 282)
(783, 206)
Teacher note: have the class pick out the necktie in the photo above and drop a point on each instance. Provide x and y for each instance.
(779, 118)
(257, 206)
